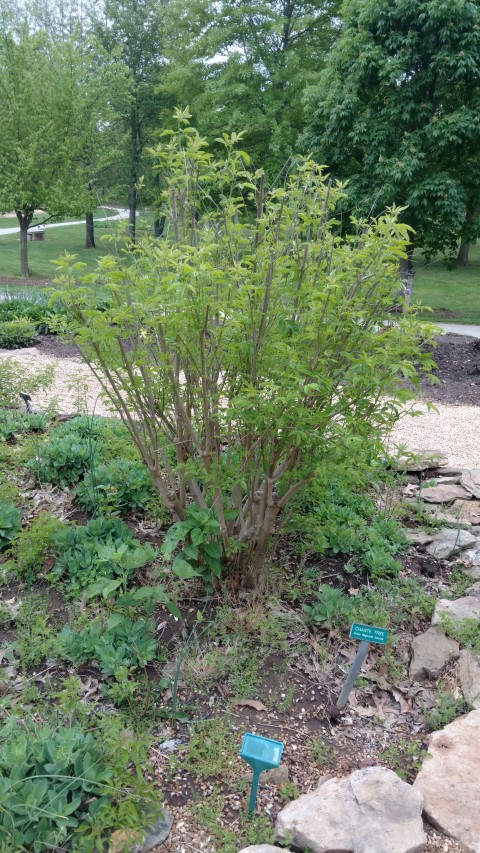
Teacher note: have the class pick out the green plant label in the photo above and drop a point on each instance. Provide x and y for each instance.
(368, 633)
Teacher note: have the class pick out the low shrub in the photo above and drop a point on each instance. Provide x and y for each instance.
(102, 549)
(10, 522)
(15, 334)
(118, 486)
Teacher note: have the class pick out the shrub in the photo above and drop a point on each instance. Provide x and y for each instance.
(102, 549)
(15, 334)
(10, 522)
(119, 486)
(15, 379)
(248, 351)
(21, 309)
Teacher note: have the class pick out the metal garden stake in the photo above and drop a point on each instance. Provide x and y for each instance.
(366, 634)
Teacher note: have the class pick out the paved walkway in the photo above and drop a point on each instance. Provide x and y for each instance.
(460, 329)
(120, 214)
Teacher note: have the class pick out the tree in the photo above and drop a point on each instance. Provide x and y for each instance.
(397, 112)
(38, 129)
(136, 27)
(245, 64)
(241, 354)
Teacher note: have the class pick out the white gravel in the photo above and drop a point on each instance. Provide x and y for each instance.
(454, 430)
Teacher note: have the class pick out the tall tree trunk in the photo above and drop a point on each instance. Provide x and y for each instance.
(24, 220)
(89, 231)
(462, 257)
(159, 226)
(135, 155)
(406, 263)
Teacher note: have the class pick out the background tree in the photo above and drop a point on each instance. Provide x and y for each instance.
(38, 139)
(244, 64)
(136, 28)
(397, 111)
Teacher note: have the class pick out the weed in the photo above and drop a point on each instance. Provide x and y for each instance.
(458, 582)
(254, 830)
(33, 544)
(331, 608)
(288, 792)
(10, 522)
(35, 638)
(465, 631)
(212, 749)
(405, 757)
(320, 751)
(448, 707)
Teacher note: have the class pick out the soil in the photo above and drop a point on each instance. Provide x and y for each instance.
(458, 372)
(25, 282)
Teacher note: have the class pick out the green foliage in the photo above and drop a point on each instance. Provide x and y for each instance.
(102, 550)
(212, 749)
(35, 638)
(320, 752)
(10, 522)
(330, 608)
(241, 354)
(115, 643)
(38, 314)
(119, 486)
(252, 830)
(447, 708)
(14, 378)
(396, 112)
(465, 631)
(336, 520)
(15, 334)
(201, 555)
(33, 544)
(13, 423)
(405, 757)
(68, 788)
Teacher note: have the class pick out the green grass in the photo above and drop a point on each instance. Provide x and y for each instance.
(70, 239)
(454, 295)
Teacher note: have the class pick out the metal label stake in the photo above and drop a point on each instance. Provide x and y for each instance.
(366, 634)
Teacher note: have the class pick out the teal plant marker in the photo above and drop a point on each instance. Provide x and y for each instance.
(260, 753)
(366, 634)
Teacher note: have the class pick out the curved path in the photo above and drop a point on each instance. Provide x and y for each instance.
(121, 213)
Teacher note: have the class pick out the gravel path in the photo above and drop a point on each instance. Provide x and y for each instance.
(455, 430)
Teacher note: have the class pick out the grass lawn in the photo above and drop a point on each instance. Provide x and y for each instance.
(454, 295)
(70, 238)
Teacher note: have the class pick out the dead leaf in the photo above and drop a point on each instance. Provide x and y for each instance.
(251, 703)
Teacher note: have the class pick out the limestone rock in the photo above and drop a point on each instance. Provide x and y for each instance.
(276, 776)
(472, 555)
(445, 494)
(448, 472)
(449, 541)
(418, 537)
(370, 811)
(462, 608)
(421, 460)
(263, 848)
(431, 652)
(451, 480)
(472, 571)
(134, 841)
(471, 481)
(469, 675)
(474, 589)
(468, 511)
(450, 781)
(440, 514)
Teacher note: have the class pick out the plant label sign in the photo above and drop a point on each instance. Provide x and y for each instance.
(368, 633)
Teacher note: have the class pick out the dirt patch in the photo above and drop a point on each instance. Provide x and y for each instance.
(458, 372)
(25, 282)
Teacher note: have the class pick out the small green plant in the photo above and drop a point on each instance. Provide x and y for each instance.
(465, 631)
(320, 751)
(119, 486)
(200, 556)
(254, 830)
(14, 378)
(62, 460)
(39, 313)
(405, 757)
(35, 638)
(15, 334)
(102, 550)
(10, 522)
(33, 544)
(331, 608)
(448, 707)
(288, 792)
(13, 423)
(117, 642)
(212, 749)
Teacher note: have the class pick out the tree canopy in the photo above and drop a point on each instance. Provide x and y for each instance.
(397, 112)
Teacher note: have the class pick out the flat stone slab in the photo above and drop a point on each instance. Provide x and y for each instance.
(449, 541)
(421, 460)
(450, 781)
(370, 811)
(468, 511)
(474, 589)
(263, 848)
(461, 608)
(418, 537)
(471, 481)
(431, 653)
(469, 675)
(445, 494)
